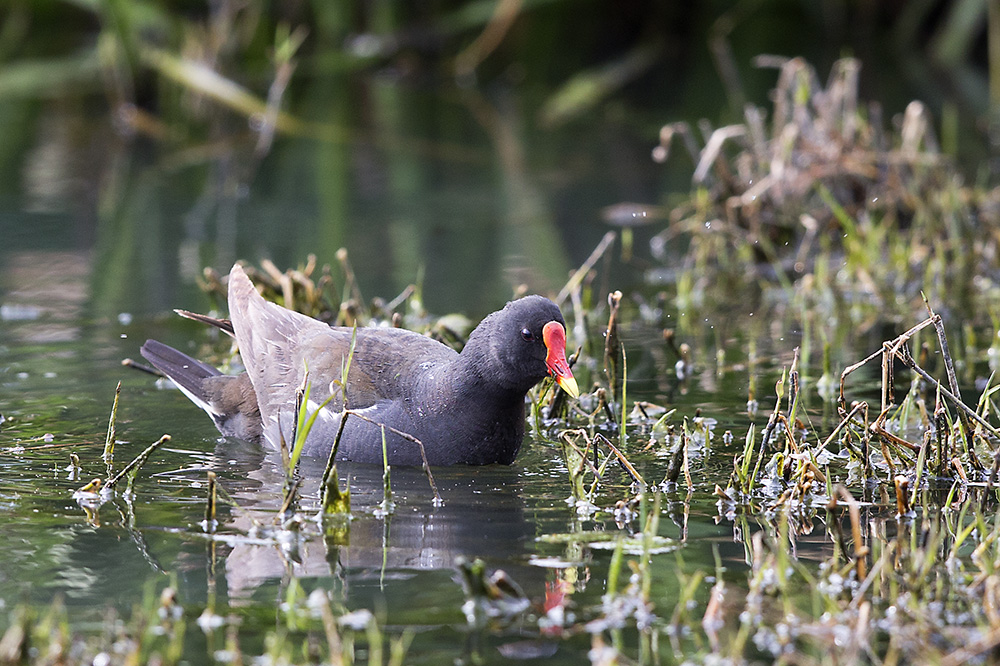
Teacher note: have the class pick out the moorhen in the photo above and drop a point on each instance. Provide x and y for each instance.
(464, 407)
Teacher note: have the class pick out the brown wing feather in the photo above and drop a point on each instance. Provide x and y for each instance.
(275, 344)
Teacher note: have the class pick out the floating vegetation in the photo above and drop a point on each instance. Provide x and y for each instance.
(129, 471)
(91, 496)
(904, 494)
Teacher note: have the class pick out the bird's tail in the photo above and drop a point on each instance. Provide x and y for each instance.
(187, 373)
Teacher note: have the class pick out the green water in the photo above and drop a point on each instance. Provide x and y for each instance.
(57, 397)
(82, 289)
(461, 190)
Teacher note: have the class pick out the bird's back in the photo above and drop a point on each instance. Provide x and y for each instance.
(284, 351)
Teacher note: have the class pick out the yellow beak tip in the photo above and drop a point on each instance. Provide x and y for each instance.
(568, 384)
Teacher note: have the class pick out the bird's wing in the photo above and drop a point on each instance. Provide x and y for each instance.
(279, 347)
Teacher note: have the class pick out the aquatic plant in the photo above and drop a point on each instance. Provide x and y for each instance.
(818, 194)
(156, 631)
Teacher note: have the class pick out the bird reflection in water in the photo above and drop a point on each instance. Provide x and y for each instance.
(482, 516)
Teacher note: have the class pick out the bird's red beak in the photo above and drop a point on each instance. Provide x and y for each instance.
(554, 336)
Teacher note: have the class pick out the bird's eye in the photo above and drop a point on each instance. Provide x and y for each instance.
(527, 334)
